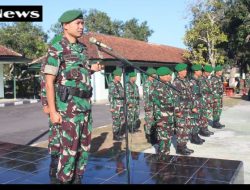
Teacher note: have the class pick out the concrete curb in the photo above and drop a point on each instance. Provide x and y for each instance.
(19, 102)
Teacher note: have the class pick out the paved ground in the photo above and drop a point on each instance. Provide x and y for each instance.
(232, 142)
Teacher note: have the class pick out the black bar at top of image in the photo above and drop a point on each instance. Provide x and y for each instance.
(21, 13)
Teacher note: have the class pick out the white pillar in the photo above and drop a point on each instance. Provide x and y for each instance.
(1, 82)
(98, 84)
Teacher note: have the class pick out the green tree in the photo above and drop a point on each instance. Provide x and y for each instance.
(204, 34)
(237, 26)
(134, 30)
(25, 38)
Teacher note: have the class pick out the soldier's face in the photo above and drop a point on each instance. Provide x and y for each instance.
(74, 28)
(183, 73)
(198, 73)
(117, 78)
(133, 79)
(151, 78)
(166, 78)
(207, 74)
(219, 73)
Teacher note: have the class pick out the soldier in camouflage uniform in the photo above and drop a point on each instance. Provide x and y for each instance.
(54, 137)
(183, 109)
(148, 105)
(217, 86)
(195, 120)
(69, 92)
(247, 84)
(207, 100)
(116, 99)
(164, 103)
(133, 100)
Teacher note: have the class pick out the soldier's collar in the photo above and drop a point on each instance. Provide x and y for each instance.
(181, 78)
(74, 46)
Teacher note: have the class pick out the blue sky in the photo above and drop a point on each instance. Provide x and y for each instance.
(165, 17)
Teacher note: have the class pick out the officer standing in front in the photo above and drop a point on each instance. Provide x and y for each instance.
(68, 88)
(116, 99)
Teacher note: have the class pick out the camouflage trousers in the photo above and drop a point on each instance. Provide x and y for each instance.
(206, 113)
(195, 123)
(164, 134)
(118, 120)
(133, 117)
(182, 127)
(54, 140)
(217, 109)
(149, 121)
(75, 138)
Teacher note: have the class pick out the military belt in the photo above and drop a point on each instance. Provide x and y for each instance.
(137, 97)
(119, 98)
(73, 91)
(168, 109)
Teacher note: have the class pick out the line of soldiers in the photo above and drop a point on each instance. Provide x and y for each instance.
(116, 99)
(168, 112)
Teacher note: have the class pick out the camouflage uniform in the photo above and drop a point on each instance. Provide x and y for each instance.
(148, 108)
(132, 92)
(195, 120)
(54, 137)
(164, 103)
(116, 99)
(184, 106)
(217, 86)
(68, 62)
(207, 102)
(247, 84)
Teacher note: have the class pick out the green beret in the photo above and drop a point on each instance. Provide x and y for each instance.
(56, 39)
(132, 74)
(196, 67)
(181, 67)
(151, 71)
(70, 15)
(208, 68)
(117, 72)
(163, 71)
(218, 68)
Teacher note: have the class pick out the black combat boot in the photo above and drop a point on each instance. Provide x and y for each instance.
(204, 132)
(153, 137)
(148, 138)
(189, 150)
(200, 139)
(222, 126)
(195, 139)
(77, 179)
(53, 165)
(117, 138)
(216, 125)
(210, 132)
(182, 150)
(137, 125)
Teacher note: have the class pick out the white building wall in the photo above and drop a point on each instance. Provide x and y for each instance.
(1, 82)
(100, 94)
(98, 84)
